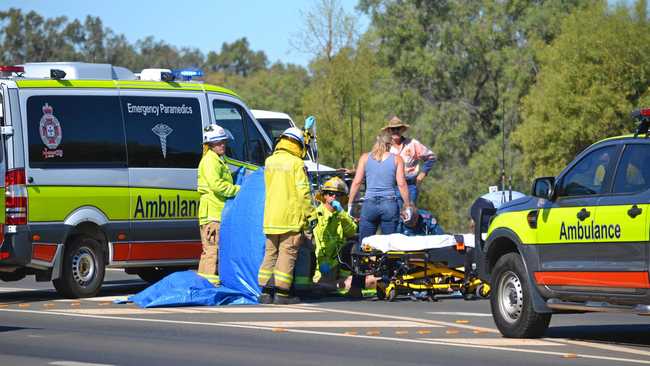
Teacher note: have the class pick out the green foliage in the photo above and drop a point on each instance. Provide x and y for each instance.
(237, 58)
(592, 76)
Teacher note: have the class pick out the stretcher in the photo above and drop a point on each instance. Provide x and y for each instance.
(420, 266)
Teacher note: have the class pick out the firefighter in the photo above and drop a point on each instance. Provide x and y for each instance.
(215, 186)
(332, 228)
(287, 205)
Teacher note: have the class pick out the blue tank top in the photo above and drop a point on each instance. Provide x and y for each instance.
(380, 177)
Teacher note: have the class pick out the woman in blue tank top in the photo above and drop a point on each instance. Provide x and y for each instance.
(383, 172)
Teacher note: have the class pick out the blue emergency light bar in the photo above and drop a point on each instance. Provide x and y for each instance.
(188, 73)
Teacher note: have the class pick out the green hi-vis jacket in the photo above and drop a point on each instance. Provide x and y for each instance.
(287, 201)
(330, 233)
(215, 186)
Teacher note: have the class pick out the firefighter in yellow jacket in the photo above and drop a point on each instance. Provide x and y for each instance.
(333, 227)
(287, 206)
(215, 186)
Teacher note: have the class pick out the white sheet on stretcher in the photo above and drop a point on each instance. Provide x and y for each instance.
(403, 243)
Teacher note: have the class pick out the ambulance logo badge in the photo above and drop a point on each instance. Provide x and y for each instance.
(162, 131)
(51, 134)
(50, 128)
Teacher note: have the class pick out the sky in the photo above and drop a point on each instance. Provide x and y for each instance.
(205, 24)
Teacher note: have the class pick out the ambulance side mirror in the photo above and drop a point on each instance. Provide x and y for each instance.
(544, 188)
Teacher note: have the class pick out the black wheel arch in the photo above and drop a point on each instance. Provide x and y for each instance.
(503, 241)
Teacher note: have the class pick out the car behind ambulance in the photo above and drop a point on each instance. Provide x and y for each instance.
(100, 170)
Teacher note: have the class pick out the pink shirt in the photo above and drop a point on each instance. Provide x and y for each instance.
(413, 152)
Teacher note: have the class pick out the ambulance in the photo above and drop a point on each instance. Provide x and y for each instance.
(578, 243)
(99, 168)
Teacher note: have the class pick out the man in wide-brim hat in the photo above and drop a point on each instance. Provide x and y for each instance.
(418, 159)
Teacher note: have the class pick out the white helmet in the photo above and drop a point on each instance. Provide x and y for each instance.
(295, 134)
(215, 133)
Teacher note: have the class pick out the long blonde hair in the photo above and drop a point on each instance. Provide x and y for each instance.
(382, 145)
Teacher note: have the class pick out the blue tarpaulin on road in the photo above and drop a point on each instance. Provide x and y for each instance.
(241, 250)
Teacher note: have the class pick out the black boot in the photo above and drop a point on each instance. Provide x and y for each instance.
(267, 296)
(282, 298)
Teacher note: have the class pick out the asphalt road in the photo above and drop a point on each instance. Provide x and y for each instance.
(38, 327)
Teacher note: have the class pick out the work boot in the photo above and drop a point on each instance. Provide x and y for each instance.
(283, 298)
(266, 297)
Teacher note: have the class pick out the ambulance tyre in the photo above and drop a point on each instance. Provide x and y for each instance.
(153, 275)
(511, 303)
(83, 268)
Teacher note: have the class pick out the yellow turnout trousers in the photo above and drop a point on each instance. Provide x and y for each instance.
(279, 259)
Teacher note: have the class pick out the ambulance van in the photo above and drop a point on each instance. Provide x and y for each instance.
(99, 170)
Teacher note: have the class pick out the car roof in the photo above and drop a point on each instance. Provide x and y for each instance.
(258, 113)
(122, 84)
(622, 138)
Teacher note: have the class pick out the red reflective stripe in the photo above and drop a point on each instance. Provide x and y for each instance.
(594, 279)
(120, 251)
(43, 251)
(144, 251)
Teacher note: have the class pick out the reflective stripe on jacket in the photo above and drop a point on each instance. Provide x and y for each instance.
(215, 186)
(330, 233)
(287, 201)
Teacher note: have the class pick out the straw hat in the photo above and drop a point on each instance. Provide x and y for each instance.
(395, 122)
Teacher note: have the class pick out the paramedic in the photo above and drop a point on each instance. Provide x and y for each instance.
(215, 185)
(333, 226)
(418, 159)
(287, 205)
(384, 174)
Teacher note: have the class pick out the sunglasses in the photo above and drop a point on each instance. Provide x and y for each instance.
(396, 129)
(329, 193)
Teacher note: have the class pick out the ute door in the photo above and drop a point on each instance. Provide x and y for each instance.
(623, 252)
(566, 249)
(163, 137)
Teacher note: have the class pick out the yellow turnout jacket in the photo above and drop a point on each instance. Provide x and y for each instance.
(215, 186)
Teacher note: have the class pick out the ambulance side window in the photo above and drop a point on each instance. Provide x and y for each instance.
(228, 116)
(589, 176)
(162, 132)
(74, 131)
(633, 173)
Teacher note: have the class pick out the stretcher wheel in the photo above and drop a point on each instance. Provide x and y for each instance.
(483, 291)
(391, 295)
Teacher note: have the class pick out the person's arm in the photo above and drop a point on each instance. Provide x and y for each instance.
(401, 181)
(358, 178)
(426, 157)
(348, 225)
(215, 183)
(304, 193)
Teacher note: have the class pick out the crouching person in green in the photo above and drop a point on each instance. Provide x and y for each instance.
(215, 186)
(333, 227)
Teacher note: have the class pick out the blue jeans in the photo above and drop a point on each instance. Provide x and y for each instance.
(413, 193)
(377, 212)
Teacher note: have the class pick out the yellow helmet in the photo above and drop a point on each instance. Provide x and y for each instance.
(337, 185)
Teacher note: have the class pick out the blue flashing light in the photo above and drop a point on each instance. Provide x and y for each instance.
(188, 73)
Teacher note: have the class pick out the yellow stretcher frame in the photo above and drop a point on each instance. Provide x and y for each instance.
(433, 277)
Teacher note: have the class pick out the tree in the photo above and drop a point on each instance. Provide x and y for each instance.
(327, 30)
(237, 59)
(592, 76)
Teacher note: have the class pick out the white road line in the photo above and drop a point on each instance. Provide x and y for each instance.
(451, 313)
(336, 324)
(258, 310)
(607, 347)
(74, 363)
(396, 317)
(331, 334)
(499, 342)
(17, 289)
(110, 311)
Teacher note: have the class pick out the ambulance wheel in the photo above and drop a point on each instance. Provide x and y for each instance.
(83, 269)
(153, 275)
(391, 295)
(511, 302)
